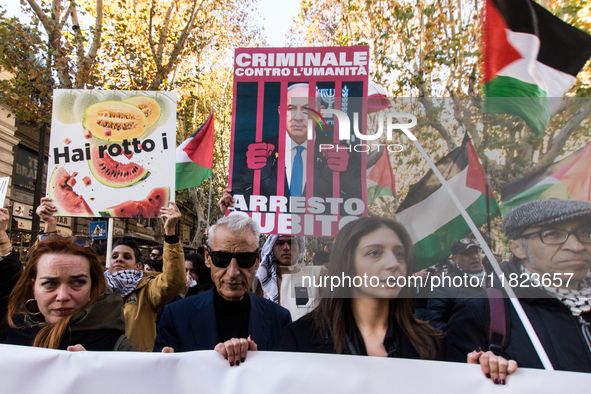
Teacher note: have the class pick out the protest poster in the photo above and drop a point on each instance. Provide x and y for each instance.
(3, 188)
(112, 153)
(280, 99)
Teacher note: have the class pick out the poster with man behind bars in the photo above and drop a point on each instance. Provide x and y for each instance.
(289, 170)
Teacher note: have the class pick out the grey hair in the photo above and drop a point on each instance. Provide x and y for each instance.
(527, 251)
(236, 224)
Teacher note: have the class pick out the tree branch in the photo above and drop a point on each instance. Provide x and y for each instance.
(65, 18)
(558, 143)
(150, 39)
(164, 31)
(177, 49)
(41, 15)
(86, 63)
(78, 34)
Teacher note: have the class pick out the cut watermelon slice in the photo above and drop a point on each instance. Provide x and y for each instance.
(66, 200)
(146, 208)
(112, 173)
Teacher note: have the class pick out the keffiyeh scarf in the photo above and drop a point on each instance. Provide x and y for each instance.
(267, 271)
(577, 301)
(125, 281)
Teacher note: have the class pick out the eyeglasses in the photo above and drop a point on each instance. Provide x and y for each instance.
(80, 241)
(558, 237)
(223, 259)
(154, 254)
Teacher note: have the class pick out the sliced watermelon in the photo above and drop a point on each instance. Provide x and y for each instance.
(66, 200)
(112, 173)
(146, 208)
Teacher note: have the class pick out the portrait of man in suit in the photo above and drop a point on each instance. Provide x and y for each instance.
(264, 157)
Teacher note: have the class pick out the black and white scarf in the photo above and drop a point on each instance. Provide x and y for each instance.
(267, 271)
(577, 301)
(125, 281)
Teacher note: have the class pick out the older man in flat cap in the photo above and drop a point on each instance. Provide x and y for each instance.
(549, 272)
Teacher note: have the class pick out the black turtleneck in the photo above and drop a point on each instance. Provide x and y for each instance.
(231, 316)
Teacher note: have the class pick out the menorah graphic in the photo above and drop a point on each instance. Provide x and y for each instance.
(327, 96)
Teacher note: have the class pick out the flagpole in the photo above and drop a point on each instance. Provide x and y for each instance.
(488, 232)
(510, 293)
(109, 241)
(209, 201)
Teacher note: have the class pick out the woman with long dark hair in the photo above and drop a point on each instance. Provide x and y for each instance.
(370, 312)
(61, 300)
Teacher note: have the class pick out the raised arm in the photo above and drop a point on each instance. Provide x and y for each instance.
(171, 282)
(46, 210)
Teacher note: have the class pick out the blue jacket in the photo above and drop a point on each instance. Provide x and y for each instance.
(190, 324)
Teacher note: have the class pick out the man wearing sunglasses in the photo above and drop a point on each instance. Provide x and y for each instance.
(549, 272)
(227, 318)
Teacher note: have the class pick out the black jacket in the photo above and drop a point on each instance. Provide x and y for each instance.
(558, 330)
(10, 271)
(443, 299)
(300, 336)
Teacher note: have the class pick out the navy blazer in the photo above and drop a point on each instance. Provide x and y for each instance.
(190, 324)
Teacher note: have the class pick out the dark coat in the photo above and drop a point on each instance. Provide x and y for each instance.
(300, 336)
(98, 327)
(190, 324)
(558, 330)
(350, 180)
(10, 271)
(443, 299)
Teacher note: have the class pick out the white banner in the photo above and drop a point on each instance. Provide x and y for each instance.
(33, 370)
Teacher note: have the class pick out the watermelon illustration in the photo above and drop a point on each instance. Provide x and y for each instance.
(66, 200)
(112, 173)
(146, 208)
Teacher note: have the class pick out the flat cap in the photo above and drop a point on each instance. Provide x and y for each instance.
(543, 213)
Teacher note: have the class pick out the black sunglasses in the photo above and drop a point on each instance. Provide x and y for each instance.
(223, 259)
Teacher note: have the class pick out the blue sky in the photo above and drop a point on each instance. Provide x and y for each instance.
(276, 17)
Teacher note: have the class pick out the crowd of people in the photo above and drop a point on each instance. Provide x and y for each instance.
(236, 297)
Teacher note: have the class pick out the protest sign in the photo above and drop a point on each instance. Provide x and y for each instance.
(112, 154)
(287, 373)
(279, 173)
(3, 188)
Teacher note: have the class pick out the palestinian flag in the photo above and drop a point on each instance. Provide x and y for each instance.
(530, 57)
(567, 179)
(194, 157)
(429, 214)
(380, 178)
